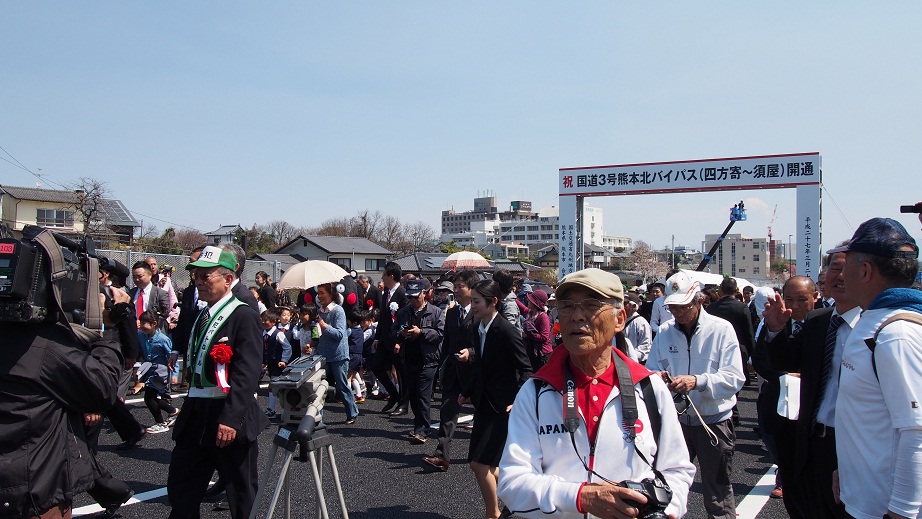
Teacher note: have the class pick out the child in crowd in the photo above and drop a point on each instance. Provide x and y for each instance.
(356, 351)
(369, 323)
(259, 303)
(287, 326)
(307, 332)
(157, 348)
(276, 350)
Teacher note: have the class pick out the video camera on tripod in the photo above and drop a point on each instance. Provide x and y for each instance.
(302, 389)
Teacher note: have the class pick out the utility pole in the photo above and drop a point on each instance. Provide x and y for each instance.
(673, 252)
(790, 259)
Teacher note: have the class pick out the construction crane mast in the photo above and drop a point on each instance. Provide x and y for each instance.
(771, 246)
(737, 214)
(771, 222)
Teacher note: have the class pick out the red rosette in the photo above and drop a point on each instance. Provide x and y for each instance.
(369, 303)
(221, 353)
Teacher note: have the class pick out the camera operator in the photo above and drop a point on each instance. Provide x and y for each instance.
(573, 413)
(52, 373)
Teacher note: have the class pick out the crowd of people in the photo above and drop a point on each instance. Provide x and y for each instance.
(593, 399)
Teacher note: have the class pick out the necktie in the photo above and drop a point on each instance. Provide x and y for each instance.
(462, 315)
(202, 323)
(829, 349)
(196, 346)
(796, 327)
(140, 304)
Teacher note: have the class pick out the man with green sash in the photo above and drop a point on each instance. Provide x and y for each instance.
(220, 419)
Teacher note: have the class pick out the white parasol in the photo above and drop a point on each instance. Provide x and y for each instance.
(311, 273)
(465, 260)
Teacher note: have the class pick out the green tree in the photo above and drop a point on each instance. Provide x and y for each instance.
(254, 240)
(450, 247)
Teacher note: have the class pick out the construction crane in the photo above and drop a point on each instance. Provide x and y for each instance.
(771, 222)
(737, 214)
(771, 246)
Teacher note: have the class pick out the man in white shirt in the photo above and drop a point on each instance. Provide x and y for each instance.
(878, 411)
(702, 355)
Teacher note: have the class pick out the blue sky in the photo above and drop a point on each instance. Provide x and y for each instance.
(208, 113)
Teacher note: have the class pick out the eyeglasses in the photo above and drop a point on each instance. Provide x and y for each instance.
(566, 307)
(202, 276)
(681, 308)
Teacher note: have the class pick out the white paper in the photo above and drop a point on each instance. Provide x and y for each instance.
(789, 399)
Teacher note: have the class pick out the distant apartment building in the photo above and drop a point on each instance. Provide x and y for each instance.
(617, 243)
(485, 224)
(739, 256)
(485, 210)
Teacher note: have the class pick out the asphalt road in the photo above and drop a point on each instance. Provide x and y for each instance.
(382, 473)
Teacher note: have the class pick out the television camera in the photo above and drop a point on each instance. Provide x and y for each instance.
(45, 276)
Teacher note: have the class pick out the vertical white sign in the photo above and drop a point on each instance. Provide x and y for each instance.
(568, 247)
(809, 235)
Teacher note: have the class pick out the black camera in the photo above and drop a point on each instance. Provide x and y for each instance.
(658, 496)
(25, 294)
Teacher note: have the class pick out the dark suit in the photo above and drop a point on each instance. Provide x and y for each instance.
(384, 355)
(737, 313)
(195, 456)
(815, 457)
(159, 302)
(454, 375)
(780, 430)
(372, 294)
(242, 293)
(188, 309)
(267, 295)
(497, 375)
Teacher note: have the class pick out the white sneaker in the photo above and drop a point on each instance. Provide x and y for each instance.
(158, 428)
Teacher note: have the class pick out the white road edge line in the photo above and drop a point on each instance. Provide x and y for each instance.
(755, 500)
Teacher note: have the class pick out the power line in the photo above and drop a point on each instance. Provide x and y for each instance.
(166, 221)
(22, 166)
(833, 200)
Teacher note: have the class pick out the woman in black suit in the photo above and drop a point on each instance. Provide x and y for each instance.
(500, 366)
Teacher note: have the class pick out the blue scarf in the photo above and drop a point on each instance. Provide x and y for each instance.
(904, 298)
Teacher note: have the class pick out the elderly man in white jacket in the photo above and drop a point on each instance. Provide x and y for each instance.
(699, 355)
(568, 447)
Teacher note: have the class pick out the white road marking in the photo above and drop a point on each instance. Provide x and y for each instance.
(144, 496)
(755, 500)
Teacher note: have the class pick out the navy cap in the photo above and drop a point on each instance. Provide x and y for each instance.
(881, 237)
(416, 286)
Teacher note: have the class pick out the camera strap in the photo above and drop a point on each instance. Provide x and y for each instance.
(629, 411)
(92, 329)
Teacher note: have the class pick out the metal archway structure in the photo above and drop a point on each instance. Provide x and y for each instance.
(799, 171)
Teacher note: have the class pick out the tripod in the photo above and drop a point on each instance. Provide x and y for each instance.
(313, 441)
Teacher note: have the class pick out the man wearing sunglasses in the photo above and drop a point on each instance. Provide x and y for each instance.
(699, 356)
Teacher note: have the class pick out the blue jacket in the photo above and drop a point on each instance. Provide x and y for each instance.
(334, 341)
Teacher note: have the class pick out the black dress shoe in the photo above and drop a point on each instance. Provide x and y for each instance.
(400, 411)
(132, 442)
(390, 405)
(216, 489)
(220, 505)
